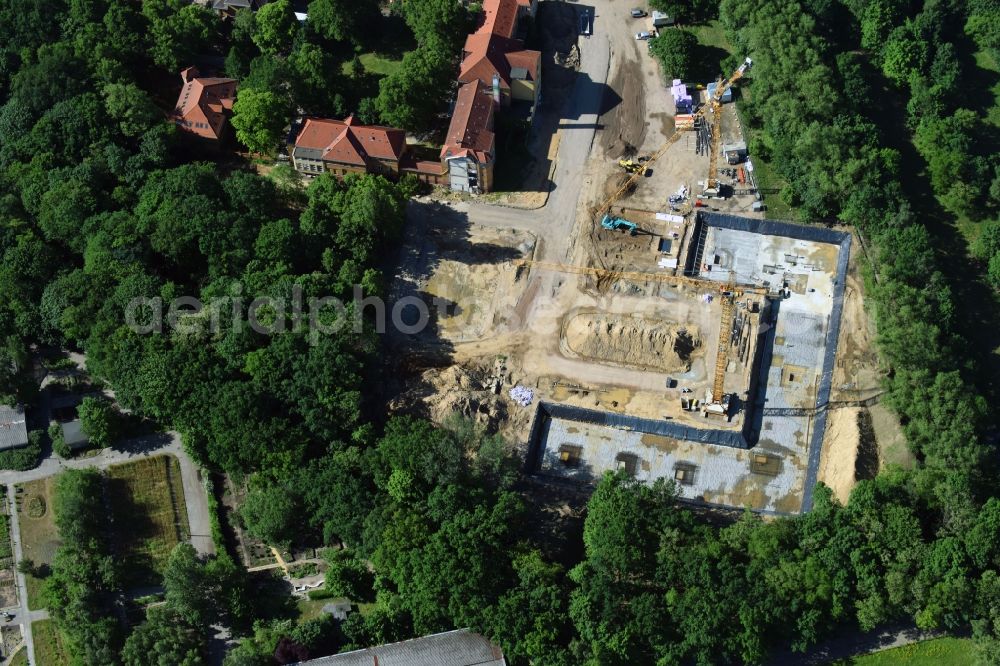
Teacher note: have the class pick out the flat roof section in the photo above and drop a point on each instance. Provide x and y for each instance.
(706, 473)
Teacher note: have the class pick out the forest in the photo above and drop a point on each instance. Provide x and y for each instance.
(101, 202)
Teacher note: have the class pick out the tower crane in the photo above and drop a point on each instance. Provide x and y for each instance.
(731, 289)
(719, 402)
(712, 183)
(604, 208)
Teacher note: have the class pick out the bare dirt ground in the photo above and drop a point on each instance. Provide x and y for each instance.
(632, 341)
(856, 374)
(857, 377)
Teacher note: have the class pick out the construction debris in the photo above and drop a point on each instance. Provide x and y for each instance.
(522, 396)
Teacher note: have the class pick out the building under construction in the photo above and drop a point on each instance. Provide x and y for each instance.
(742, 423)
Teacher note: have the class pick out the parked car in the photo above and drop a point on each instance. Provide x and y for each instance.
(643, 35)
(638, 13)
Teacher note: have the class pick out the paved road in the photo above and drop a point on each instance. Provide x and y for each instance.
(160, 444)
(555, 222)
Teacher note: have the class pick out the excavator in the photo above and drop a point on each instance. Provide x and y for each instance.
(637, 165)
(611, 222)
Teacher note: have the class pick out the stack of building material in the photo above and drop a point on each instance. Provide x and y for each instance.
(682, 100)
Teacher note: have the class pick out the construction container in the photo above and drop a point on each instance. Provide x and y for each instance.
(660, 19)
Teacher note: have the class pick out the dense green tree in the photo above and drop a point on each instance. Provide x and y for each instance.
(343, 20)
(904, 52)
(270, 513)
(675, 49)
(178, 31)
(403, 99)
(80, 590)
(130, 107)
(274, 27)
(100, 422)
(348, 576)
(164, 639)
(530, 619)
(259, 118)
(437, 20)
(188, 586)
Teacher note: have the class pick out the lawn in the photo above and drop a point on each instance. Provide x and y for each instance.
(39, 537)
(937, 652)
(8, 590)
(376, 64)
(49, 649)
(310, 609)
(20, 658)
(711, 34)
(150, 516)
(991, 77)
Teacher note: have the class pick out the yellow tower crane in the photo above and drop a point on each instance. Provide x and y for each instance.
(712, 183)
(725, 334)
(635, 276)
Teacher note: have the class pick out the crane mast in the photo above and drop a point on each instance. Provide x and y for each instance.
(712, 182)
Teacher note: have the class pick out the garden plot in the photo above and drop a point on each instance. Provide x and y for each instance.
(149, 515)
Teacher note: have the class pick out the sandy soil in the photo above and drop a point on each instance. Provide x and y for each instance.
(856, 373)
(633, 341)
(857, 376)
(840, 447)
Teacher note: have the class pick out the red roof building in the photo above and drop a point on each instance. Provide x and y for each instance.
(501, 18)
(493, 56)
(470, 147)
(346, 146)
(203, 104)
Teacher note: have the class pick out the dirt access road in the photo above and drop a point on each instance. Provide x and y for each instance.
(589, 109)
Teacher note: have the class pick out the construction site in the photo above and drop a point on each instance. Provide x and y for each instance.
(646, 319)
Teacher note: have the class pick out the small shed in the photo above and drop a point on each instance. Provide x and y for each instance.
(73, 434)
(13, 427)
(735, 152)
(660, 19)
(727, 95)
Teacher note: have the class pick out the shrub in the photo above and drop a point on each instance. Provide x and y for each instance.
(59, 444)
(26, 457)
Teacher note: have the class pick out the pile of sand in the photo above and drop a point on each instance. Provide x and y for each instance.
(840, 450)
(632, 341)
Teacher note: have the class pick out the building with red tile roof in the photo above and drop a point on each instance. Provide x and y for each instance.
(500, 18)
(346, 146)
(470, 147)
(493, 56)
(204, 104)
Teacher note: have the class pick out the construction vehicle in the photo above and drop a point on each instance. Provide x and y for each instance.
(605, 206)
(615, 223)
(631, 166)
